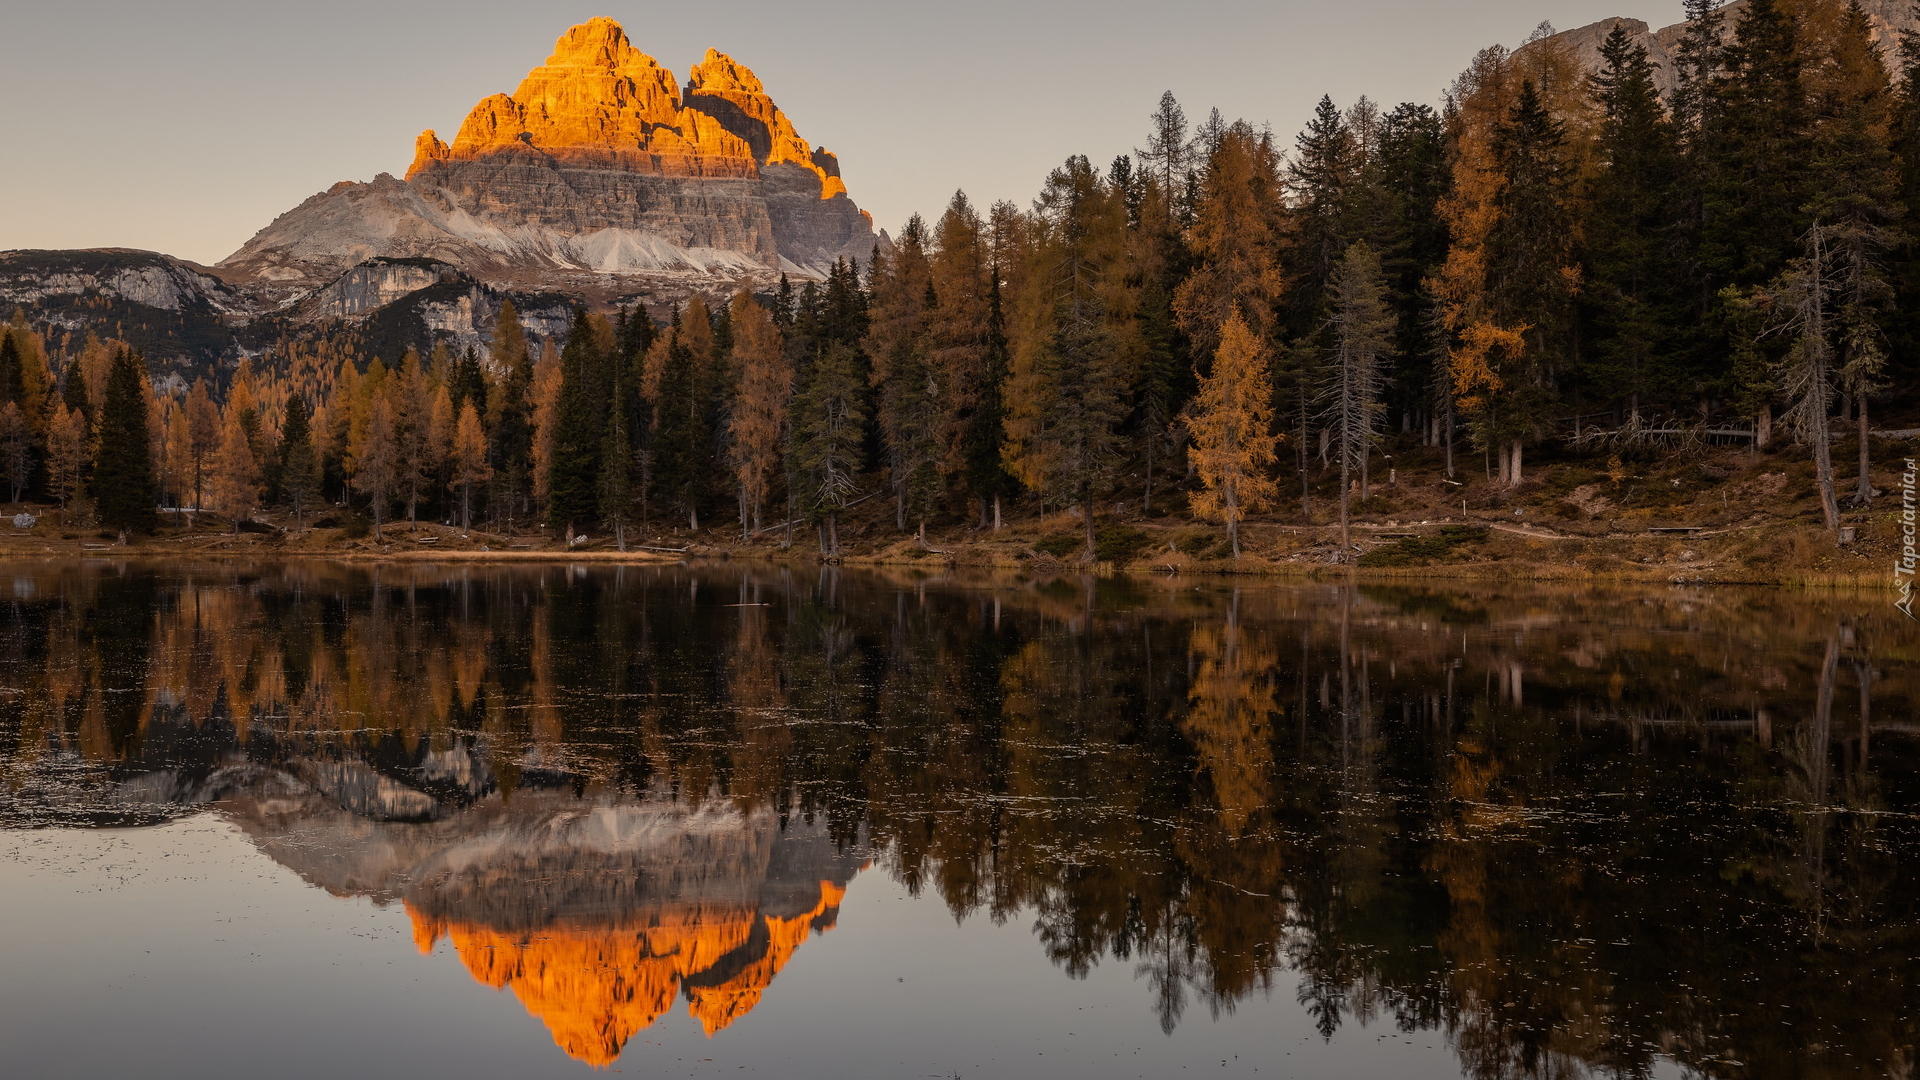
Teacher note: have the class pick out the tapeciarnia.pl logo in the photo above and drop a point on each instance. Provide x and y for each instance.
(1903, 567)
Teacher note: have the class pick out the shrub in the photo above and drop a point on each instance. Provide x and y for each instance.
(1118, 543)
(1059, 546)
(1420, 550)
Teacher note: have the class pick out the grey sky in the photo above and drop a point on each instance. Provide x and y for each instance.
(185, 125)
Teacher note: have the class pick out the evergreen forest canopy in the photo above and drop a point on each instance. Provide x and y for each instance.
(1558, 258)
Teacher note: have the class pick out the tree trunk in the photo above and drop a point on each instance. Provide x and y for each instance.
(1517, 447)
(1346, 544)
(466, 508)
(1865, 494)
(693, 519)
(1823, 469)
(833, 534)
(620, 535)
(1088, 506)
(1146, 500)
(996, 513)
(1448, 425)
(1763, 428)
(1233, 522)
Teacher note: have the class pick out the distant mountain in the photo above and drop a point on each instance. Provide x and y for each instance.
(1889, 18)
(599, 164)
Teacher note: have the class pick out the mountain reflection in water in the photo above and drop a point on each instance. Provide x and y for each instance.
(1579, 832)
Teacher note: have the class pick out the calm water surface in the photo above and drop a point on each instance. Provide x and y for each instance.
(320, 821)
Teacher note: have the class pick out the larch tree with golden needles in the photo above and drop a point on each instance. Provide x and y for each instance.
(759, 419)
(468, 460)
(236, 472)
(66, 454)
(377, 467)
(1231, 421)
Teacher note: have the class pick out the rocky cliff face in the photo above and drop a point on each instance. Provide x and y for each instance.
(599, 163)
(1889, 18)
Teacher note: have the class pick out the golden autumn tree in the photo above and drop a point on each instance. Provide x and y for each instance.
(760, 411)
(67, 454)
(547, 383)
(236, 472)
(1230, 718)
(203, 435)
(377, 467)
(468, 460)
(1231, 420)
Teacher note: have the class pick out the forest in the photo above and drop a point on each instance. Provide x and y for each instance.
(1556, 261)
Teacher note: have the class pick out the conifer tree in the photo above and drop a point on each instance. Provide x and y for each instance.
(579, 426)
(1322, 178)
(470, 465)
(1069, 373)
(1235, 238)
(682, 448)
(1168, 152)
(616, 463)
(1630, 229)
(203, 433)
(759, 420)
(16, 449)
(236, 472)
(66, 455)
(829, 434)
(1231, 418)
(299, 462)
(1506, 372)
(1806, 372)
(1362, 326)
(987, 475)
(509, 413)
(377, 472)
(909, 391)
(75, 395)
(1856, 197)
(123, 463)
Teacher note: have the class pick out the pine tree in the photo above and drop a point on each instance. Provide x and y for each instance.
(1231, 419)
(616, 463)
(509, 412)
(123, 463)
(1322, 178)
(1806, 372)
(75, 395)
(1362, 326)
(682, 448)
(910, 395)
(1856, 196)
(16, 449)
(1507, 370)
(1630, 231)
(987, 475)
(579, 426)
(299, 463)
(1168, 152)
(829, 435)
(1077, 347)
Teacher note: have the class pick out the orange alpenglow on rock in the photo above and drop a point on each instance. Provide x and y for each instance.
(599, 161)
(596, 987)
(598, 98)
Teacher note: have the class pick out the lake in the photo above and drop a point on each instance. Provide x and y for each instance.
(322, 820)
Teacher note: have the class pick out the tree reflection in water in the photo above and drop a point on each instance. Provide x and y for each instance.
(1577, 830)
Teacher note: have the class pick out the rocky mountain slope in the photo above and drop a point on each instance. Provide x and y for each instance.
(598, 164)
(1890, 18)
